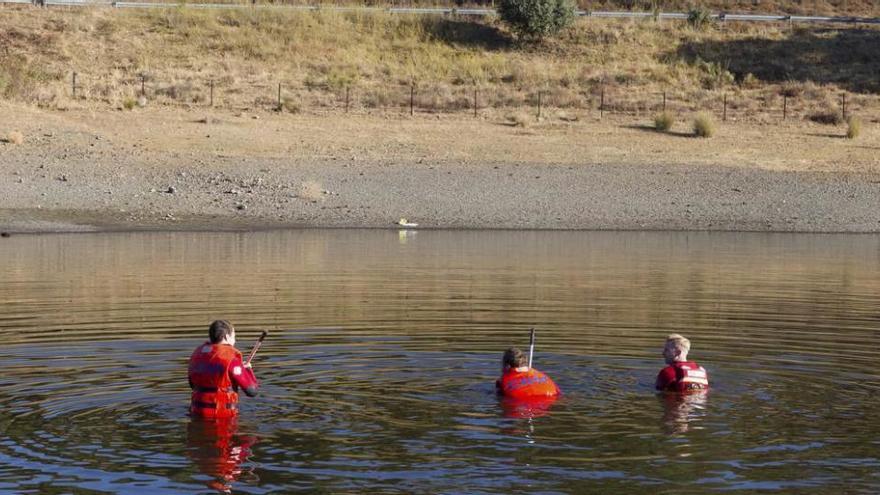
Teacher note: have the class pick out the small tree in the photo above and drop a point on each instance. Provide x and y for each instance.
(536, 19)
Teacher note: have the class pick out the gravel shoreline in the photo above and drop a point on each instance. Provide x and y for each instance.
(230, 197)
(68, 178)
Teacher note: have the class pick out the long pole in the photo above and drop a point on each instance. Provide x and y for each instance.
(531, 346)
(257, 346)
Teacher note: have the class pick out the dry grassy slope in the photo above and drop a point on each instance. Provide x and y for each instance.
(315, 55)
(803, 7)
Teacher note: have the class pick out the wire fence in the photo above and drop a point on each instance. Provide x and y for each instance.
(457, 11)
(769, 104)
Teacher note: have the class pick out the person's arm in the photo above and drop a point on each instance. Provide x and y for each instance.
(665, 378)
(243, 377)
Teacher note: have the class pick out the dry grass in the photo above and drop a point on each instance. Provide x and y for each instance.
(854, 127)
(15, 137)
(704, 125)
(520, 119)
(316, 55)
(826, 117)
(664, 121)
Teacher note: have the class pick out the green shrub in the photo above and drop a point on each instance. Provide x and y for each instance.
(704, 126)
(699, 18)
(129, 103)
(664, 121)
(854, 127)
(536, 19)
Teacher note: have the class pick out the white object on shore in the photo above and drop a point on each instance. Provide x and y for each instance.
(404, 223)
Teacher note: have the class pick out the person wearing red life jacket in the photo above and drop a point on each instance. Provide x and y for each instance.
(216, 373)
(518, 381)
(680, 375)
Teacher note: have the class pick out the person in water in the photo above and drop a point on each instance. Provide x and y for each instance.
(518, 381)
(680, 375)
(216, 373)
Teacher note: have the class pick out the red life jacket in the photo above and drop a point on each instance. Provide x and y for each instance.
(213, 395)
(526, 384)
(689, 376)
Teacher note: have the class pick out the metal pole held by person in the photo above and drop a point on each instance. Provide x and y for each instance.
(531, 346)
(256, 347)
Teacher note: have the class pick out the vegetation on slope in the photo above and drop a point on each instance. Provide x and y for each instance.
(316, 56)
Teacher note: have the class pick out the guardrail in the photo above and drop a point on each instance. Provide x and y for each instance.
(723, 17)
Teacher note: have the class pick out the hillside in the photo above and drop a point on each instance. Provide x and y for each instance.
(359, 62)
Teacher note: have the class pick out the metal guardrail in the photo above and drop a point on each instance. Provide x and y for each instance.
(723, 17)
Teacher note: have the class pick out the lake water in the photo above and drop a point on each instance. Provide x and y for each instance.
(378, 372)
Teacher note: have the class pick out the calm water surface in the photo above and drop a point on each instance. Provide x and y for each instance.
(378, 373)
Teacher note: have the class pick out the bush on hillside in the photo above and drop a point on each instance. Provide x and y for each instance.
(699, 18)
(854, 127)
(664, 121)
(704, 126)
(827, 117)
(536, 19)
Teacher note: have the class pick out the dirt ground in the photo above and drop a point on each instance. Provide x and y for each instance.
(168, 168)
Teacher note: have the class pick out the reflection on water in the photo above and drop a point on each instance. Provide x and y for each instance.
(218, 451)
(681, 410)
(379, 371)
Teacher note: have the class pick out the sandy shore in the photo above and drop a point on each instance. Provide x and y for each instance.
(167, 169)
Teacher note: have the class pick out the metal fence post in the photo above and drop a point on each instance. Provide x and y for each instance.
(280, 107)
(475, 101)
(724, 115)
(602, 103)
(143, 85)
(212, 93)
(784, 107)
(346, 99)
(539, 104)
(843, 105)
(664, 101)
(73, 84)
(412, 99)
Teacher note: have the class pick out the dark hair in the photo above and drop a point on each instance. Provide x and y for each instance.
(514, 358)
(219, 330)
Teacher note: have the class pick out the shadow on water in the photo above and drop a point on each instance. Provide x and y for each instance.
(846, 57)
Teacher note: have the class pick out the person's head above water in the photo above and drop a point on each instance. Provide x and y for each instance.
(676, 348)
(514, 358)
(221, 332)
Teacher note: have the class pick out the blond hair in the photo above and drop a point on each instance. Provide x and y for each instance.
(678, 342)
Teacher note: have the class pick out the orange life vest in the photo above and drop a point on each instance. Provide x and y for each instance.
(526, 384)
(213, 395)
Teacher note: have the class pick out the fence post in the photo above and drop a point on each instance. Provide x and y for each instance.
(784, 107)
(280, 108)
(346, 99)
(143, 85)
(475, 101)
(724, 115)
(412, 98)
(73, 84)
(664, 101)
(212, 93)
(539, 104)
(602, 103)
(843, 105)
